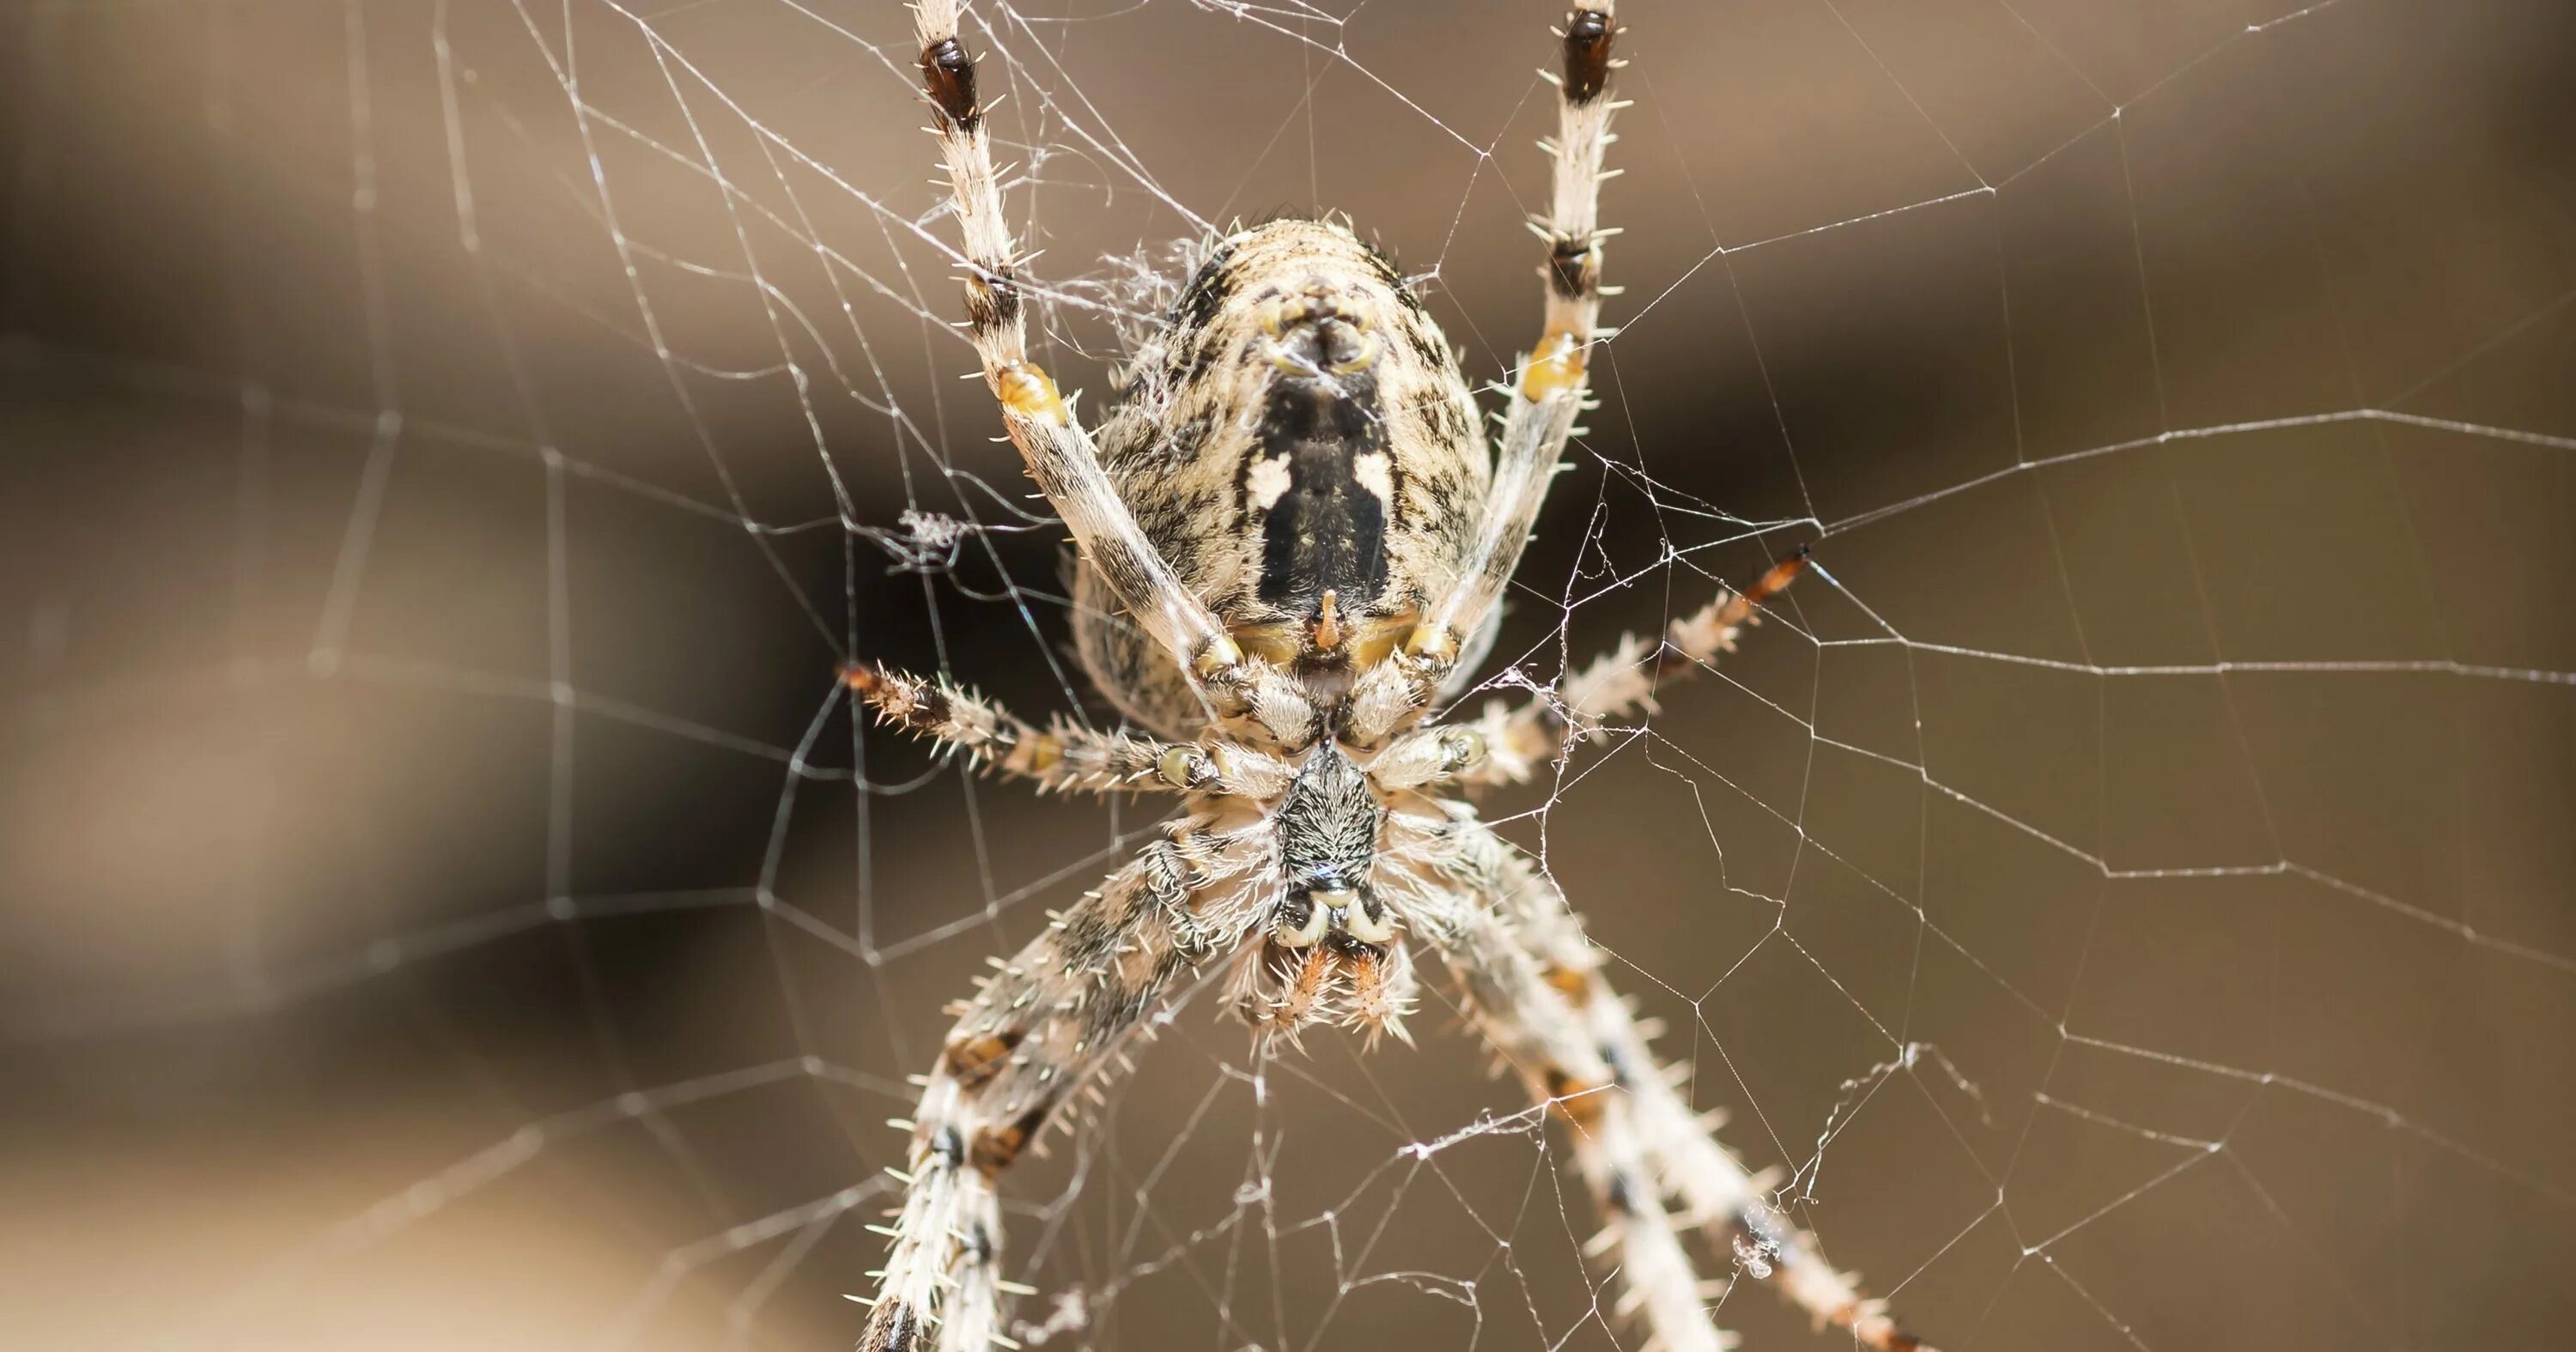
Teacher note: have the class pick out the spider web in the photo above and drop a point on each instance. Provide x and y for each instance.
(2124, 889)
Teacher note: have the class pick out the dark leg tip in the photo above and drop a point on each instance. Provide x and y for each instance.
(949, 74)
(1587, 55)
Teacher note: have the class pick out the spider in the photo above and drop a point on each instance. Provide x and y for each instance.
(1292, 543)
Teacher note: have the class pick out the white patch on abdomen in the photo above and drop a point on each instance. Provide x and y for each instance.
(1270, 479)
(1373, 473)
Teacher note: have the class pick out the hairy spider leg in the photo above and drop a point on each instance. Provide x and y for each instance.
(1062, 757)
(1717, 1193)
(1546, 393)
(1059, 454)
(1057, 1014)
(1518, 740)
(1539, 1032)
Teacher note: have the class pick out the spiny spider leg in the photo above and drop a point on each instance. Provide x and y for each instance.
(1717, 1193)
(1517, 741)
(1548, 390)
(1060, 1011)
(1059, 453)
(1064, 756)
(1514, 1002)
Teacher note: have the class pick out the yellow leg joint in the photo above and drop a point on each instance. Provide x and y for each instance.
(1555, 367)
(1035, 755)
(1433, 642)
(1026, 392)
(1219, 654)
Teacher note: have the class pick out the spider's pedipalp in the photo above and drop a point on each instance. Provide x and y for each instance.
(1382, 993)
(1282, 988)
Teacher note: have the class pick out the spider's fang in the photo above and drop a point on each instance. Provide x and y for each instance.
(1364, 918)
(1363, 353)
(1303, 920)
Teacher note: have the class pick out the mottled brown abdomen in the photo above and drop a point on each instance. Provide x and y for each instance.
(1301, 448)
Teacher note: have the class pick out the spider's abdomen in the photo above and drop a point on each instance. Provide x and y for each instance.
(1300, 446)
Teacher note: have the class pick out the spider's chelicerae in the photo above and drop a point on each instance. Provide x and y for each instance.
(1293, 539)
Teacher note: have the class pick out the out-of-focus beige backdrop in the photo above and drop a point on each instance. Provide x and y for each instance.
(450, 447)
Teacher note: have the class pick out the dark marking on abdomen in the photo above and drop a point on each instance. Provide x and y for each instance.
(1327, 531)
(1208, 290)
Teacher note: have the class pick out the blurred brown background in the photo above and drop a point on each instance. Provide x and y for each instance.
(444, 905)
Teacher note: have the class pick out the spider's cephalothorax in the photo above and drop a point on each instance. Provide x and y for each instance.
(1293, 543)
(1301, 448)
(1331, 950)
(1328, 825)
